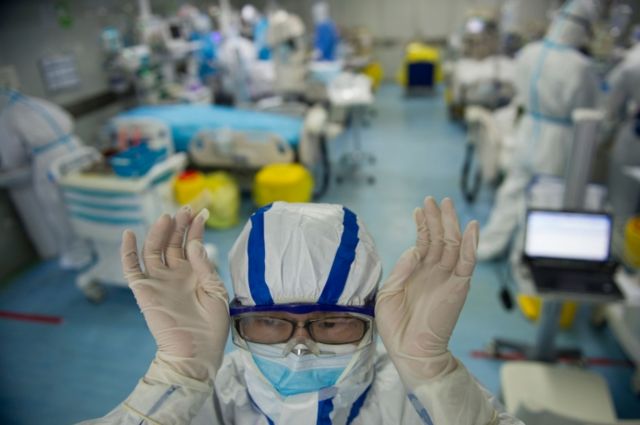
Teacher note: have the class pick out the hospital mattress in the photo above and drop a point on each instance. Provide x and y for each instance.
(187, 120)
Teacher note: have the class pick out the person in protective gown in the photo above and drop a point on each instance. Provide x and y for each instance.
(305, 316)
(553, 78)
(623, 114)
(33, 134)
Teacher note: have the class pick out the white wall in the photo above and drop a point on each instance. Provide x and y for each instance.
(29, 31)
(397, 18)
(396, 22)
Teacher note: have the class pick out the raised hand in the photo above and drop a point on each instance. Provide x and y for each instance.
(182, 298)
(419, 304)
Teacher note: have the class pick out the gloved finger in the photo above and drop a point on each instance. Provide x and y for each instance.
(175, 247)
(129, 257)
(435, 231)
(452, 236)
(208, 278)
(467, 261)
(404, 268)
(422, 233)
(154, 245)
(196, 230)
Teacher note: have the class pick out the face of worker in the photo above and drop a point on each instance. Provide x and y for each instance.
(321, 327)
(304, 353)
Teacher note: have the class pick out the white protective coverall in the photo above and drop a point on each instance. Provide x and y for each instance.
(623, 106)
(285, 37)
(552, 79)
(34, 132)
(316, 254)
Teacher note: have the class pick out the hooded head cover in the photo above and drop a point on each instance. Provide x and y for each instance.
(573, 24)
(314, 254)
(301, 258)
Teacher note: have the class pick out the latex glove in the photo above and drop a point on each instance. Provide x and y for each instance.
(419, 304)
(182, 298)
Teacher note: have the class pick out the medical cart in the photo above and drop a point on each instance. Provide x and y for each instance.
(102, 205)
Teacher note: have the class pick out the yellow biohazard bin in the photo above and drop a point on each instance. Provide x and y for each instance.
(631, 250)
(223, 200)
(374, 71)
(218, 192)
(188, 186)
(421, 67)
(532, 306)
(282, 182)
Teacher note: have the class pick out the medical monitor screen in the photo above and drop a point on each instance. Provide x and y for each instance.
(568, 235)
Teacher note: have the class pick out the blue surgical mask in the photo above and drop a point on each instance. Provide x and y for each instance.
(296, 374)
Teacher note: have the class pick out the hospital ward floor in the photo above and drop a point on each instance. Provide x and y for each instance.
(84, 358)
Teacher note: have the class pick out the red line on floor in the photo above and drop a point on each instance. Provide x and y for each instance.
(52, 320)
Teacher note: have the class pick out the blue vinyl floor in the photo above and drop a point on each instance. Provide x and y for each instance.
(88, 363)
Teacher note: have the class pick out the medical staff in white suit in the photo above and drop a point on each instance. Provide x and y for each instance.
(623, 108)
(553, 77)
(33, 133)
(305, 316)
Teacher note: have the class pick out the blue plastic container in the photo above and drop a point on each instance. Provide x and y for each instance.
(136, 161)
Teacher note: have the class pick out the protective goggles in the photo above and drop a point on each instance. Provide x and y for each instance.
(340, 330)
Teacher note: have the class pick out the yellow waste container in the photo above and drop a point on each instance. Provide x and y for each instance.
(218, 192)
(282, 182)
(224, 200)
(375, 72)
(631, 249)
(188, 186)
(532, 306)
(421, 66)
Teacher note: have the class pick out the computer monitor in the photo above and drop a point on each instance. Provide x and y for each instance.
(568, 235)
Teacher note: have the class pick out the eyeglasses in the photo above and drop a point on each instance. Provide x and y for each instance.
(262, 328)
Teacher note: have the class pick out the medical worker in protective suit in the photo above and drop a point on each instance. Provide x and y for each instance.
(33, 134)
(553, 78)
(305, 315)
(326, 37)
(623, 113)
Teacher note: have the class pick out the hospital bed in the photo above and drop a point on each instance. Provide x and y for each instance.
(185, 121)
(101, 205)
(241, 139)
